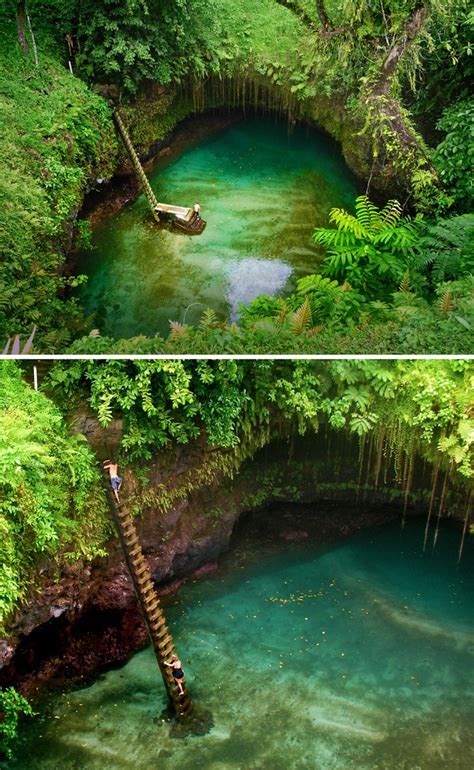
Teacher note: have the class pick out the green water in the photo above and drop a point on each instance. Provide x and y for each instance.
(262, 192)
(357, 655)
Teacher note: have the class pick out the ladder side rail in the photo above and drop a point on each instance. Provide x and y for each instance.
(135, 160)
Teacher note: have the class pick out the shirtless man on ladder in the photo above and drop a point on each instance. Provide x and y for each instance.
(115, 479)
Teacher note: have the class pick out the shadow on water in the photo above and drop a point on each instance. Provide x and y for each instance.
(262, 192)
(354, 653)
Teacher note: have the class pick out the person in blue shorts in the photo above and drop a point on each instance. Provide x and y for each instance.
(115, 479)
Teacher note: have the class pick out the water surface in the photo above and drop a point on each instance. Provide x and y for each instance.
(262, 192)
(357, 655)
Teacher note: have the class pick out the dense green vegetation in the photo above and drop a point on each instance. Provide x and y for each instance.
(12, 707)
(53, 131)
(389, 80)
(163, 402)
(50, 508)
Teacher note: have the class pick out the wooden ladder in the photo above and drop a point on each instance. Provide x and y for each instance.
(135, 161)
(148, 599)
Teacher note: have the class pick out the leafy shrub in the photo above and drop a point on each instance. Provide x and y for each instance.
(447, 248)
(454, 156)
(12, 707)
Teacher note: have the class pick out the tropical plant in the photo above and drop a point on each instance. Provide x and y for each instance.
(371, 250)
(447, 248)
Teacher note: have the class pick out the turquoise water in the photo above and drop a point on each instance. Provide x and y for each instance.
(262, 192)
(357, 655)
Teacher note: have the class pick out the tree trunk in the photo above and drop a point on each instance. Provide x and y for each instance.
(21, 24)
(323, 17)
(392, 60)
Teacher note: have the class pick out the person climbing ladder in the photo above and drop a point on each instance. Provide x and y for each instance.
(178, 672)
(115, 479)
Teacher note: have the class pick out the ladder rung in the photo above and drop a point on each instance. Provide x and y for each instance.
(127, 522)
(153, 606)
(148, 595)
(142, 569)
(165, 641)
(136, 551)
(156, 638)
(162, 632)
(130, 532)
(131, 540)
(139, 560)
(144, 579)
(156, 618)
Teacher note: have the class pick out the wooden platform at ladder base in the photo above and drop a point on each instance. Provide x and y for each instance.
(180, 218)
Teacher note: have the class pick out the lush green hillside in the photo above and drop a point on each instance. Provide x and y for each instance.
(51, 506)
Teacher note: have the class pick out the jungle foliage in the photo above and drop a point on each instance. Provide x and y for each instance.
(54, 134)
(51, 507)
(163, 402)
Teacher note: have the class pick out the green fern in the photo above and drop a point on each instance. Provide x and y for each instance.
(208, 318)
(448, 248)
(445, 301)
(372, 245)
(281, 312)
(405, 283)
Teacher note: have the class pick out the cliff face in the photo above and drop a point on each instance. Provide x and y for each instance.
(86, 617)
